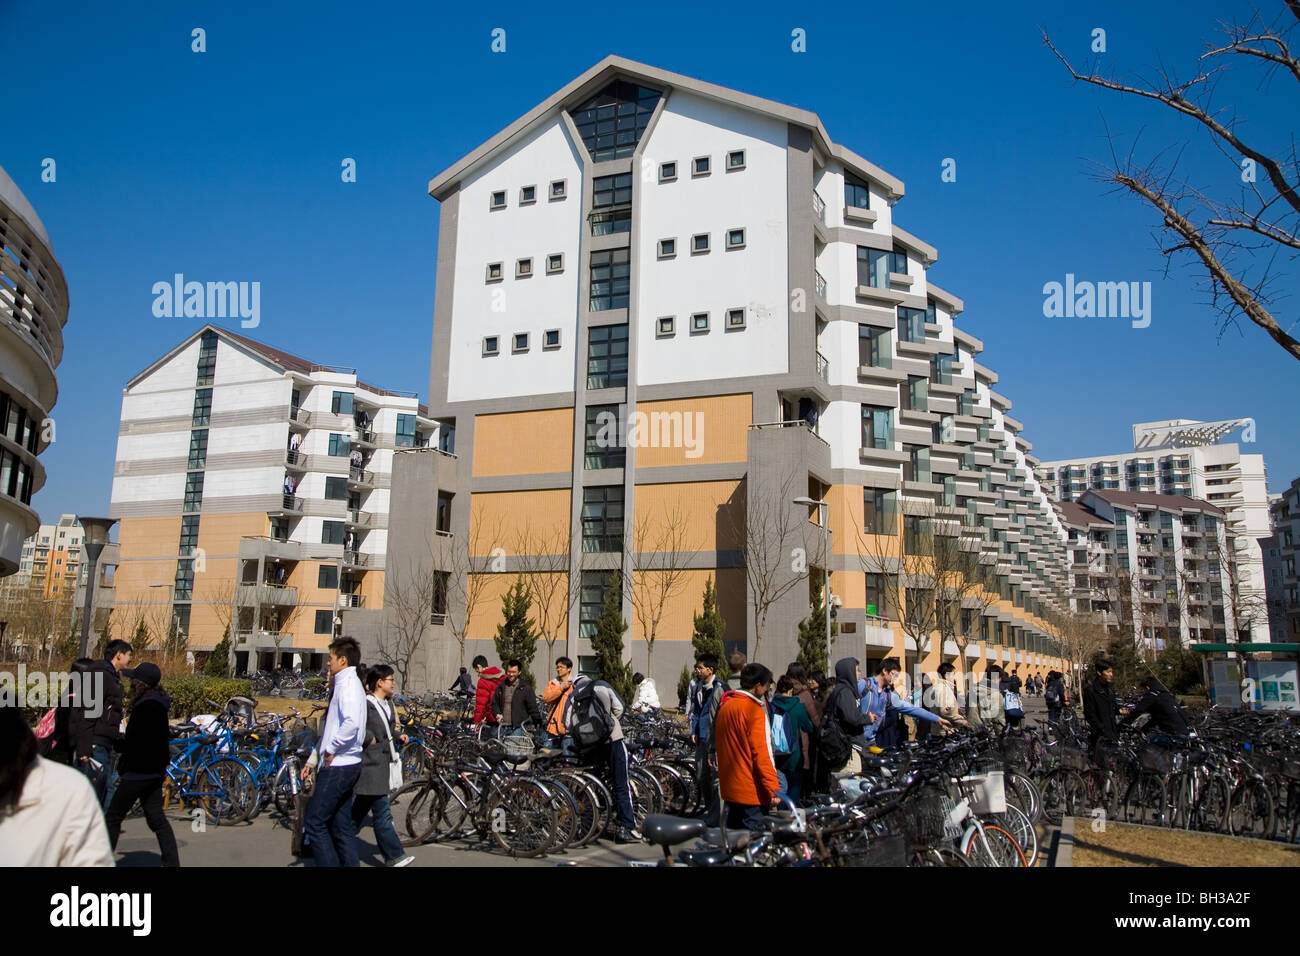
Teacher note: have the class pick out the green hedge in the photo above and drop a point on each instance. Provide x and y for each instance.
(190, 693)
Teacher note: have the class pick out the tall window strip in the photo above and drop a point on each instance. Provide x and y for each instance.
(207, 358)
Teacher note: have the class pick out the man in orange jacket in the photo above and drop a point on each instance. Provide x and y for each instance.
(746, 768)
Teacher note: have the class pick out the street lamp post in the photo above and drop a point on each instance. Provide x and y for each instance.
(94, 538)
(823, 517)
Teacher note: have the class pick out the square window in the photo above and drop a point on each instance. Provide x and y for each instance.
(554, 263)
(700, 166)
(735, 318)
(736, 159)
(700, 243)
(666, 326)
(551, 339)
(667, 172)
(494, 272)
(490, 345)
(523, 268)
(667, 248)
(700, 322)
(735, 238)
(499, 199)
(527, 194)
(559, 188)
(521, 342)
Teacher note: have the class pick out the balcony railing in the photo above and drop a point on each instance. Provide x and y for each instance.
(299, 416)
(821, 286)
(295, 460)
(352, 600)
(359, 476)
(823, 368)
(291, 503)
(355, 559)
(360, 518)
(819, 208)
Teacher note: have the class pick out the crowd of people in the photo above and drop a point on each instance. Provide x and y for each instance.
(760, 741)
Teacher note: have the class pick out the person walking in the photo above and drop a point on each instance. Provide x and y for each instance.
(787, 707)
(328, 825)
(378, 755)
(106, 725)
(556, 695)
(143, 764)
(746, 768)
(702, 699)
(1013, 707)
(72, 729)
(1054, 696)
(49, 813)
(514, 702)
(488, 680)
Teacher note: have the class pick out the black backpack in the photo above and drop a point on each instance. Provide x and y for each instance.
(833, 744)
(585, 717)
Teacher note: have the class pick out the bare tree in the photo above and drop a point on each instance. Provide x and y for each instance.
(1082, 637)
(543, 560)
(908, 570)
(1235, 239)
(410, 595)
(469, 561)
(772, 528)
(661, 552)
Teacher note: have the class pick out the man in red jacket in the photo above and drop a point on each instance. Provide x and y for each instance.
(488, 679)
(746, 769)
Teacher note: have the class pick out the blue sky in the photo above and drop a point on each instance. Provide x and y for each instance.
(225, 165)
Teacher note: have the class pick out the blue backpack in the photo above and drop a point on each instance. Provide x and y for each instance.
(782, 732)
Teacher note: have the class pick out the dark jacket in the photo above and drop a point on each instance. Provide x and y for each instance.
(843, 703)
(1100, 712)
(375, 754)
(463, 684)
(523, 705)
(799, 724)
(108, 725)
(1163, 708)
(145, 746)
(1056, 686)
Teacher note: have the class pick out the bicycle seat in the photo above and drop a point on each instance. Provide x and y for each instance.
(664, 830)
(712, 856)
(497, 757)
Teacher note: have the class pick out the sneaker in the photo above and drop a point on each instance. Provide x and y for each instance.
(625, 835)
(400, 861)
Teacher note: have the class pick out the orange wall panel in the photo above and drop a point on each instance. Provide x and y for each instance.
(691, 431)
(524, 443)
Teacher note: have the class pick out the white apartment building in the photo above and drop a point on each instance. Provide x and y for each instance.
(52, 556)
(252, 487)
(1189, 458)
(654, 248)
(1279, 550)
(33, 312)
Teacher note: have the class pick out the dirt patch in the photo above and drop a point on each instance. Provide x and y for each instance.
(1125, 845)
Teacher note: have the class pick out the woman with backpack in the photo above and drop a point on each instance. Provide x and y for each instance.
(1054, 696)
(790, 714)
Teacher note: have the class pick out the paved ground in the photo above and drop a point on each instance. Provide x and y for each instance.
(264, 842)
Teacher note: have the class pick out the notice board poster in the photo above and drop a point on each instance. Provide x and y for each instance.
(1225, 684)
(1275, 684)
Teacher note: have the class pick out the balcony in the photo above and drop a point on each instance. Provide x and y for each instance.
(819, 208)
(290, 505)
(360, 477)
(823, 368)
(299, 418)
(352, 600)
(295, 460)
(821, 286)
(359, 519)
(274, 595)
(355, 559)
(252, 546)
(856, 215)
(364, 437)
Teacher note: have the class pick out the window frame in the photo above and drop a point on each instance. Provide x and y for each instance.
(697, 170)
(524, 268)
(663, 331)
(708, 244)
(731, 154)
(563, 191)
(493, 205)
(731, 324)
(731, 233)
(665, 176)
(515, 347)
(524, 199)
(663, 252)
(494, 348)
(547, 344)
(554, 263)
(696, 328)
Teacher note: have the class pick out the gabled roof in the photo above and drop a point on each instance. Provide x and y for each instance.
(1144, 499)
(1077, 516)
(611, 67)
(286, 361)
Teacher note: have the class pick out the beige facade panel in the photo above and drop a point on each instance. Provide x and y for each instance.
(692, 431)
(499, 518)
(709, 514)
(523, 443)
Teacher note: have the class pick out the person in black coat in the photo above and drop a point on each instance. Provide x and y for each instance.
(1162, 706)
(72, 729)
(844, 707)
(143, 765)
(1099, 708)
(1054, 696)
(379, 746)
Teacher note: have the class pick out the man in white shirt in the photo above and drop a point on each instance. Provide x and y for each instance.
(328, 824)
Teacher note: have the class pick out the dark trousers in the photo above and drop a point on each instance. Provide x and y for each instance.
(706, 778)
(742, 817)
(385, 834)
(329, 827)
(614, 755)
(148, 790)
(102, 751)
(1054, 715)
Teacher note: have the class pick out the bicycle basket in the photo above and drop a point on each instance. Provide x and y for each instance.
(1015, 750)
(1156, 759)
(1072, 758)
(519, 745)
(988, 792)
(241, 712)
(922, 818)
(870, 849)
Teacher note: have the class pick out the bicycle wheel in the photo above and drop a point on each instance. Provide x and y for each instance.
(1024, 793)
(1147, 801)
(282, 790)
(604, 802)
(521, 817)
(1018, 825)
(938, 856)
(589, 814)
(647, 796)
(424, 800)
(414, 761)
(225, 789)
(1052, 794)
(566, 815)
(998, 848)
(676, 789)
(1210, 809)
(1250, 812)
